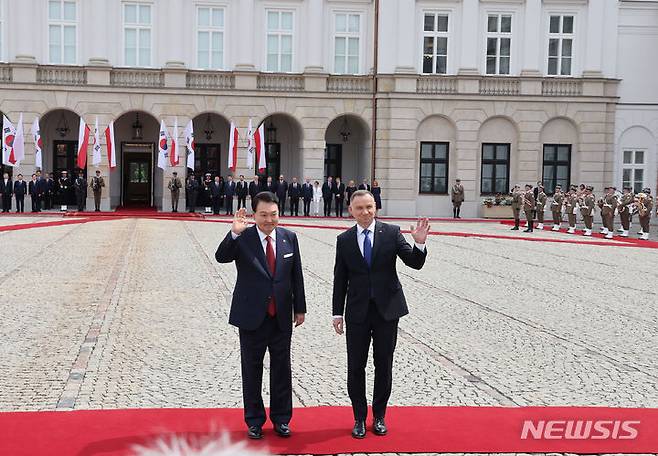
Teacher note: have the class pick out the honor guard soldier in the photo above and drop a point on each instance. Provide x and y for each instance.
(97, 184)
(517, 203)
(457, 197)
(644, 204)
(587, 210)
(608, 212)
(191, 192)
(570, 207)
(529, 207)
(624, 209)
(80, 185)
(174, 187)
(556, 207)
(63, 188)
(540, 206)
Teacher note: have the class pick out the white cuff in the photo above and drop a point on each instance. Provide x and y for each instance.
(337, 316)
(420, 247)
(234, 236)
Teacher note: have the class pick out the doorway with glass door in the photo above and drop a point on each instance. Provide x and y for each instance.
(137, 176)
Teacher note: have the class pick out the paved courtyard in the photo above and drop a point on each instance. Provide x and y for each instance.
(133, 313)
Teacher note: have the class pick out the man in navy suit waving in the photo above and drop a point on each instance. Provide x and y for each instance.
(268, 298)
(365, 273)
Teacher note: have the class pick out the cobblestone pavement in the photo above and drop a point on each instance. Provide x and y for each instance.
(133, 313)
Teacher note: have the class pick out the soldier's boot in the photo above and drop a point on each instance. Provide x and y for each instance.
(587, 232)
(645, 237)
(624, 233)
(516, 224)
(609, 235)
(540, 226)
(605, 231)
(555, 227)
(620, 229)
(641, 232)
(571, 230)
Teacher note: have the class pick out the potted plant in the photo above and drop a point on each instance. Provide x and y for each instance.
(497, 206)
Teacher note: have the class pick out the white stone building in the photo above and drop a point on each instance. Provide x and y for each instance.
(494, 92)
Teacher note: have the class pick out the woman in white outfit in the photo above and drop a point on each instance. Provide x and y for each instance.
(317, 198)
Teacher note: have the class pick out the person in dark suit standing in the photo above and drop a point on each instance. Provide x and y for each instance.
(7, 191)
(191, 192)
(294, 191)
(49, 196)
(267, 299)
(216, 195)
(364, 185)
(282, 193)
(339, 196)
(241, 190)
(254, 188)
(229, 192)
(349, 190)
(365, 265)
(20, 190)
(307, 195)
(80, 185)
(32, 190)
(328, 195)
(270, 186)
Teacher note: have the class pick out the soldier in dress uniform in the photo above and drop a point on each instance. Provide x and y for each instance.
(457, 197)
(63, 188)
(608, 212)
(80, 185)
(174, 187)
(587, 209)
(517, 203)
(624, 209)
(49, 196)
(541, 199)
(570, 207)
(556, 207)
(191, 192)
(529, 207)
(97, 184)
(644, 203)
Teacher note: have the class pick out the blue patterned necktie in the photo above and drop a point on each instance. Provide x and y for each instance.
(367, 247)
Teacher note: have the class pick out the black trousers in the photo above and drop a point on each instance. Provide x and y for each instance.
(294, 206)
(307, 207)
(6, 202)
(20, 203)
(339, 207)
(216, 204)
(327, 206)
(229, 205)
(48, 201)
(191, 201)
(282, 206)
(242, 201)
(384, 336)
(81, 200)
(252, 351)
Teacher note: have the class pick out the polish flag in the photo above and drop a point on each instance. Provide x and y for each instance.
(83, 143)
(109, 141)
(96, 160)
(250, 147)
(189, 144)
(173, 154)
(38, 144)
(19, 142)
(163, 152)
(233, 148)
(259, 140)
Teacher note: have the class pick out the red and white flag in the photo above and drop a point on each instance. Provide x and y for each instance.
(83, 143)
(163, 146)
(233, 148)
(109, 142)
(259, 140)
(189, 144)
(96, 149)
(250, 146)
(38, 144)
(173, 153)
(19, 142)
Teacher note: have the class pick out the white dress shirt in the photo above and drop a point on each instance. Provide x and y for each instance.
(263, 241)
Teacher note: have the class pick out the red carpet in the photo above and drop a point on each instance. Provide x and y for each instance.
(326, 430)
(138, 212)
(26, 226)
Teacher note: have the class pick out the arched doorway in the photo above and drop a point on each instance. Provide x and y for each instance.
(283, 153)
(136, 182)
(59, 133)
(347, 150)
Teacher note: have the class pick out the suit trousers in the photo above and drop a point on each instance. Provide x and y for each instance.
(384, 338)
(20, 203)
(216, 204)
(327, 206)
(6, 202)
(294, 206)
(339, 207)
(253, 344)
(242, 201)
(229, 205)
(307, 207)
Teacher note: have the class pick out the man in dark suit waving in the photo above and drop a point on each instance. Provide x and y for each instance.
(365, 273)
(268, 297)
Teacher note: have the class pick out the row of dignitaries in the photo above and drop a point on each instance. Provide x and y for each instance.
(44, 192)
(268, 299)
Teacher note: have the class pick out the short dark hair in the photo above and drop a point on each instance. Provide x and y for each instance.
(265, 197)
(358, 193)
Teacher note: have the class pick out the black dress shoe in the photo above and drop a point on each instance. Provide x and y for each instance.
(255, 432)
(282, 430)
(359, 431)
(379, 427)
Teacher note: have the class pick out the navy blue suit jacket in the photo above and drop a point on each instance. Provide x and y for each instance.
(255, 285)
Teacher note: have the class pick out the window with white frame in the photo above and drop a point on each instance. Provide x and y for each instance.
(435, 43)
(137, 34)
(560, 45)
(279, 40)
(347, 33)
(633, 169)
(210, 37)
(499, 43)
(62, 32)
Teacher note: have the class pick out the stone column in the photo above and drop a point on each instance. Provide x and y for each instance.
(469, 40)
(314, 37)
(245, 57)
(593, 54)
